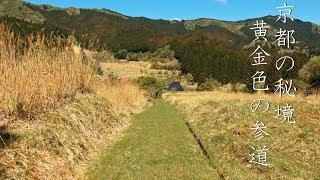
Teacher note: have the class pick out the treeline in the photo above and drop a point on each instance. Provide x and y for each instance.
(208, 58)
(205, 58)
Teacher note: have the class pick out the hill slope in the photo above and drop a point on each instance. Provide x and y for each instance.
(205, 47)
(103, 23)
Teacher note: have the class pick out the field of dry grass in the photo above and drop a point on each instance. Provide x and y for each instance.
(125, 97)
(223, 121)
(56, 112)
(55, 145)
(39, 78)
(127, 69)
(136, 69)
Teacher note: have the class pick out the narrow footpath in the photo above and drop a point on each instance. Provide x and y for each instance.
(158, 145)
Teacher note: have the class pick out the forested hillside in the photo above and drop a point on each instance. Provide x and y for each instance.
(205, 47)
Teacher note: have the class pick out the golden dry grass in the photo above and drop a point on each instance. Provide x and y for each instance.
(194, 99)
(39, 78)
(60, 144)
(134, 70)
(125, 97)
(223, 121)
(127, 69)
(75, 113)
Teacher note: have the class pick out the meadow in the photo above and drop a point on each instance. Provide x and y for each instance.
(223, 123)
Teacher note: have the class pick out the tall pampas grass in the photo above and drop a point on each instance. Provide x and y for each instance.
(38, 73)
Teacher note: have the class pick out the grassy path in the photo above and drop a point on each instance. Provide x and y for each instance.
(158, 145)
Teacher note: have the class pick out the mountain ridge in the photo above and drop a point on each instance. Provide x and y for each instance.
(199, 44)
(67, 18)
(121, 14)
(111, 12)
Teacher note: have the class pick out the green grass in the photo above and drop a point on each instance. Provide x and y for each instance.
(158, 145)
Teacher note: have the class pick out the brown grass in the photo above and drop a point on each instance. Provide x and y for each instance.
(136, 69)
(127, 69)
(125, 97)
(59, 144)
(39, 78)
(74, 113)
(194, 99)
(223, 121)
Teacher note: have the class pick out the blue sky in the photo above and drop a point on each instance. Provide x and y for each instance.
(307, 10)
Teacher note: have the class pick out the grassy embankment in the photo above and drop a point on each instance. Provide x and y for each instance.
(223, 121)
(56, 112)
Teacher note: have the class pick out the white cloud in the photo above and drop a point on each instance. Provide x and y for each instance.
(176, 19)
(222, 1)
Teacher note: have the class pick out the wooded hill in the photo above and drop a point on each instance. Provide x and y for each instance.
(205, 47)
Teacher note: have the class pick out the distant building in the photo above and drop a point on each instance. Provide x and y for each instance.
(176, 86)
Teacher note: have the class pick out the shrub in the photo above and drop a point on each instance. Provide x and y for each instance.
(302, 86)
(241, 88)
(132, 56)
(152, 85)
(310, 72)
(103, 56)
(167, 65)
(121, 54)
(209, 85)
(189, 77)
(165, 52)
(145, 56)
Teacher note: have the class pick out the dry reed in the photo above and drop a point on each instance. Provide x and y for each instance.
(38, 76)
(35, 76)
